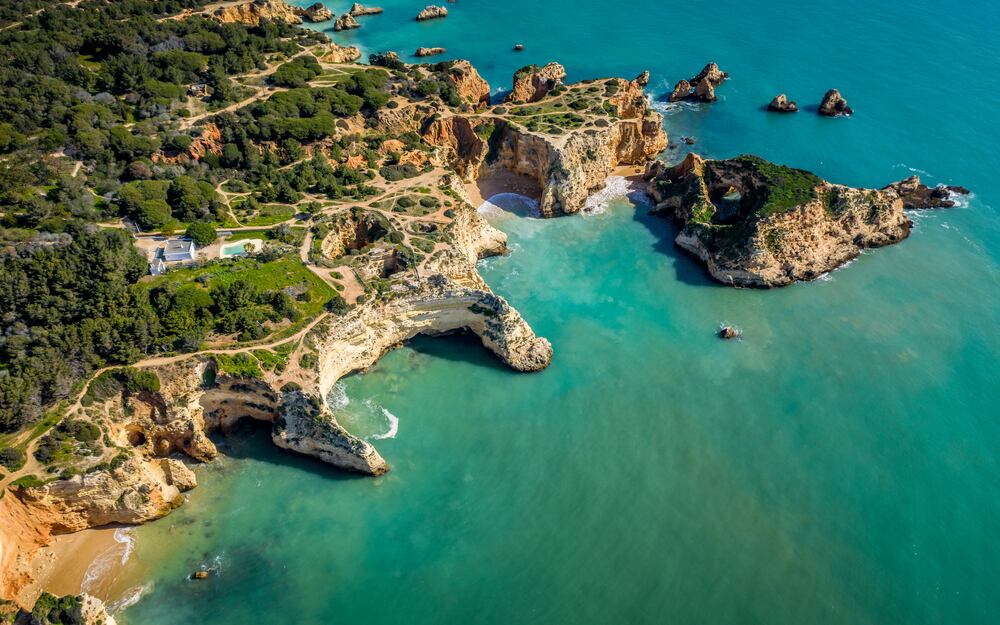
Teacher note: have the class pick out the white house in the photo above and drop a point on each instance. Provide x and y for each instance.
(178, 250)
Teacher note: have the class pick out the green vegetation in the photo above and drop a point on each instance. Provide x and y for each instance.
(786, 187)
(12, 458)
(297, 72)
(52, 610)
(127, 380)
(239, 365)
(71, 439)
(28, 481)
(202, 233)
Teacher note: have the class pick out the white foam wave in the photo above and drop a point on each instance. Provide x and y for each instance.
(390, 418)
(615, 188)
(672, 108)
(337, 399)
(503, 203)
(105, 562)
(129, 598)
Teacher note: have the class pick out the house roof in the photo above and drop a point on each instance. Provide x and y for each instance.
(177, 245)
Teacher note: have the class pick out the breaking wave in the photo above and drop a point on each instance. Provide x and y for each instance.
(129, 598)
(503, 203)
(337, 399)
(391, 419)
(116, 555)
(615, 188)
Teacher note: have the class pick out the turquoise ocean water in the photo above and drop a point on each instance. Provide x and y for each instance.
(838, 465)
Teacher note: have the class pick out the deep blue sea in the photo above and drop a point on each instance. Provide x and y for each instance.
(836, 466)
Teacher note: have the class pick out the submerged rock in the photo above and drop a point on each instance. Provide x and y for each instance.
(729, 332)
(758, 224)
(432, 12)
(916, 195)
(834, 105)
(781, 104)
(518, 47)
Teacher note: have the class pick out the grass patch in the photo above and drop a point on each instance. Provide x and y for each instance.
(240, 365)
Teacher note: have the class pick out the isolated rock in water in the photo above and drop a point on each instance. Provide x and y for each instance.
(682, 90)
(429, 51)
(758, 224)
(346, 22)
(200, 574)
(834, 105)
(729, 332)
(689, 140)
(642, 79)
(781, 104)
(317, 13)
(518, 47)
(358, 9)
(431, 12)
(532, 82)
(916, 195)
(701, 87)
(340, 54)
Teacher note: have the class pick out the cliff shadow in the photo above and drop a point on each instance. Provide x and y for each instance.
(687, 269)
(250, 439)
(464, 347)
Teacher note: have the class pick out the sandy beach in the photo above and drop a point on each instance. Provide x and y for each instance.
(504, 182)
(62, 567)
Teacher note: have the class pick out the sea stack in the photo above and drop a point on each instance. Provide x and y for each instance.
(834, 105)
(700, 88)
(358, 9)
(432, 12)
(518, 47)
(317, 13)
(346, 22)
(428, 51)
(781, 104)
(532, 82)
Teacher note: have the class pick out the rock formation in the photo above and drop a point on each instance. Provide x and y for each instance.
(253, 12)
(567, 168)
(358, 9)
(518, 47)
(83, 609)
(729, 333)
(758, 224)
(781, 104)
(340, 54)
(316, 13)
(471, 86)
(915, 195)
(701, 87)
(428, 51)
(532, 82)
(346, 22)
(834, 105)
(431, 12)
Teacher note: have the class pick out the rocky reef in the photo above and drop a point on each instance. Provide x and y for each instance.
(916, 195)
(781, 104)
(701, 87)
(431, 12)
(757, 224)
(834, 105)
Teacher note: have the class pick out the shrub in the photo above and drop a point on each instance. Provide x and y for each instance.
(393, 173)
(12, 458)
(338, 305)
(202, 233)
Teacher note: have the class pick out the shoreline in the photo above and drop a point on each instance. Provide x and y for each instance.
(63, 566)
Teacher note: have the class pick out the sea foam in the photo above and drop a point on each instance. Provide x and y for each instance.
(391, 419)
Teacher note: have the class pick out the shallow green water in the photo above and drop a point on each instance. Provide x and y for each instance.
(838, 465)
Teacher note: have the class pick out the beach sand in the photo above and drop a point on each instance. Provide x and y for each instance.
(504, 182)
(61, 568)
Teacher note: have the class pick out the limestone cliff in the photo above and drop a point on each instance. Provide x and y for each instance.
(532, 82)
(757, 224)
(253, 12)
(471, 86)
(568, 167)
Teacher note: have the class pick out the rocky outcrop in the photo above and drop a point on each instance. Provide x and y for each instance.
(82, 609)
(255, 11)
(567, 168)
(532, 82)
(340, 54)
(781, 104)
(701, 87)
(428, 51)
(758, 224)
(915, 195)
(346, 22)
(834, 105)
(518, 47)
(431, 12)
(470, 85)
(316, 13)
(358, 9)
